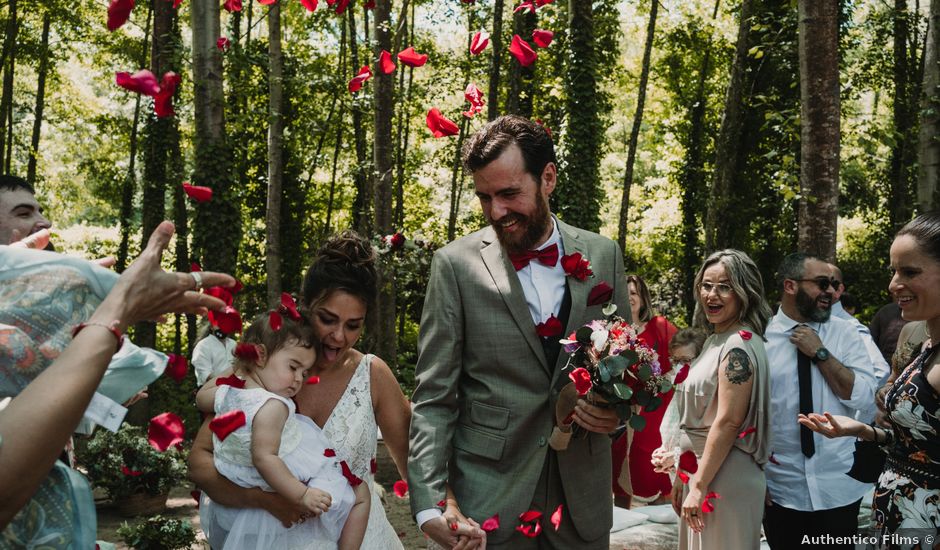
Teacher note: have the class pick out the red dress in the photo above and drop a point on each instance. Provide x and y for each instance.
(647, 483)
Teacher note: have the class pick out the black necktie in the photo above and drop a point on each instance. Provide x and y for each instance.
(807, 445)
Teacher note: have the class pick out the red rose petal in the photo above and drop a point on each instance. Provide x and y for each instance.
(707, 505)
(525, 5)
(386, 65)
(530, 515)
(543, 125)
(312, 380)
(556, 517)
(232, 380)
(600, 294)
(745, 334)
(128, 472)
(232, 5)
(582, 380)
(234, 289)
(198, 193)
(119, 11)
(475, 97)
(773, 460)
(311, 5)
(412, 58)
(223, 44)
(228, 320)
(266, 2)
(365, 73)
(491, 524)
(682, 374)
(373, 465)
(521, 50)
(289, 306)
(439, 125)
(141, 82)
(225, 424)
(197, 496)
(163, 100)
(165, 431)
(441, 503)
(479, 43)
(747, 432)
(275, 321)
(352, 478)
(246, 351)
(401, 488)
(368, 5)
(341, 5)
(176, 3)
(683, 476)
(542, 38)
(530, 530)
(176, 367)
(551, 327)
(329, 453)
(194, 266)
(688, 462)
(220, 293)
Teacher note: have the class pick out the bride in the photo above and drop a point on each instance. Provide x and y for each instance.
(356, 391)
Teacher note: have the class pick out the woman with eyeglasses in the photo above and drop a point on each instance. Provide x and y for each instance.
(908, 491)
(724, 410)
(655, 331)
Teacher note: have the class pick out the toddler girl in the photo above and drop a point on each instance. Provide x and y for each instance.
(261, 442)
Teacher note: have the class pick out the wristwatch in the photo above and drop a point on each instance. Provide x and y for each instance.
(822, 354)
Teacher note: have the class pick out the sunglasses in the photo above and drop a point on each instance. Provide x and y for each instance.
(822, 282)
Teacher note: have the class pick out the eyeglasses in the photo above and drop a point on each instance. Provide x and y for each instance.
(723, 289)
(822, 282)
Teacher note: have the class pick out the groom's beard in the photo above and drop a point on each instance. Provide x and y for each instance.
(533, 227)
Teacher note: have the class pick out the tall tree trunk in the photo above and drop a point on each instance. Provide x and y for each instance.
(362, 204)
(521, 79)
(130, 180)
(402, 123)
(40, 98)
(819, 132)
(327, 226)
(6, 98)
(217, 227)
(928, 147)
(455, 183)
(496, 42)
(386, 341)
(275, 154)
(729, 136)
(637, 122)
(901, 184)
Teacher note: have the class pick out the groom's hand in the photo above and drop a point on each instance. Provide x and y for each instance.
(595, 419)
(453, 534)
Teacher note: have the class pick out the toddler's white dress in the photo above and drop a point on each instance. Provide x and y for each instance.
(302, 449)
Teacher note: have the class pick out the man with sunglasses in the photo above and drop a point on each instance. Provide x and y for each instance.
(817, 363)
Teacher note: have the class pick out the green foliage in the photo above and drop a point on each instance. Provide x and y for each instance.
(106, 454)
(158, 533)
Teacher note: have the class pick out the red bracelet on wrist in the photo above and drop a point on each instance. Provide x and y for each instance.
(111, 327)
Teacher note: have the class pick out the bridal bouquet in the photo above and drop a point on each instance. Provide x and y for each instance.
(607, 359)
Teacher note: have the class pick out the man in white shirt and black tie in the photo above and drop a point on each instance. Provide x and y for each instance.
(817, 363)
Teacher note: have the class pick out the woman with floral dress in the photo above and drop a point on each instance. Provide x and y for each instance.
(908, 491)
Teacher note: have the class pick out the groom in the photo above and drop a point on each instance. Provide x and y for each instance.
(487, 381)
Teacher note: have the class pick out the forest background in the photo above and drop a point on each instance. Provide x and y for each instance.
(681, 127)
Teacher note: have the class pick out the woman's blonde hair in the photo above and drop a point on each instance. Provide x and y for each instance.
(748, 286)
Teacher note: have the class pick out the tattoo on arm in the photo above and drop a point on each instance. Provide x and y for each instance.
(739, 368)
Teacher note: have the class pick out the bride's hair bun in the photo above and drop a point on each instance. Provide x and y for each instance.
(345, 262)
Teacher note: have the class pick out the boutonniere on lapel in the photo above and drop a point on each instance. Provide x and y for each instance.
(550, 328)
(576, 266)
(600, 293)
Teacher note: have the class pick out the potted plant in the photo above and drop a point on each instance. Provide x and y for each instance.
(136, 476)
(158, 533)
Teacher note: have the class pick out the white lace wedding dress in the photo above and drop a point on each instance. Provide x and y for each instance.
(352, 429)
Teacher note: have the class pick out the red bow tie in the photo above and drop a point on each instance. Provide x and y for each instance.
(546, 256)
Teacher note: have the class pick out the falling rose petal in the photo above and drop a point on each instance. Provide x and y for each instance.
(289, 306)
(341, 6)
(550, 328)
(441, 503)
(197, 496)
(386, 65)
(198, 193)
(530, 515)
(525, 5)
(128, 472)
(119, 11)
(231, 380)
(688, 462)
(369, 5)
(165, 431)
(228, 320)
(311, 5)
(266, 2)
(682, 374)
(683, 476)
(141, 82)
(194, 266)
(530, 530)
(373, 465)
(232, 6)
(275, 321)
(395, 241)
(224, 424)
(221, 294)
(412, 58)
(246, 351)
(312, 380)
(772, 459)
(473, 95)
(556, 517)
(163, 100)
(747, 432)
(176, 367)
(365, 73)
(540, 3)
(234, 289)
(600, 294)
(176, 3)
(577, 266)
(542, 38)
(439, 125)
(479, 43)
(401, 488)
(582, 380)
(521, 50)
(745, 335)
(352, 478)
(329, 453)
(223, 44)
(491, 524)
(707, 505)
(545, 126)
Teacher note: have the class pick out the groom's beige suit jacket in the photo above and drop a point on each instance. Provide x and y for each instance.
(485, 394)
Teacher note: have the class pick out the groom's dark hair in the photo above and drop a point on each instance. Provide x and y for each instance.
(489, 142)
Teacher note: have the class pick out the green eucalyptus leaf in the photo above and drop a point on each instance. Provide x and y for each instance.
(622, 391)
(644, 372)
(612, 366)
(642, 398)
(637, 422)
(624, 410)
(654, 403)
(629, 356)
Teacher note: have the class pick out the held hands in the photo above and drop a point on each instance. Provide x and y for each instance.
(806, 340)
(455, 531)
(663, 460)
(832, 425)
(316, 502)
(593, 418)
